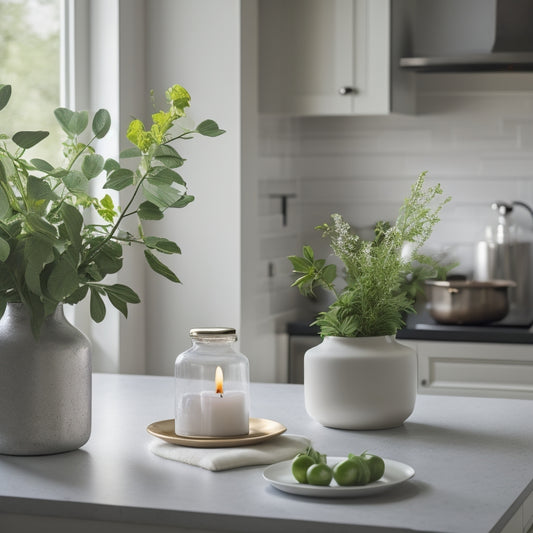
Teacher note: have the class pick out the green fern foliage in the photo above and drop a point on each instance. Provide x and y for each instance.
(376, 296)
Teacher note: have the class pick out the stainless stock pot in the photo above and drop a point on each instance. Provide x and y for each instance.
(468, 302)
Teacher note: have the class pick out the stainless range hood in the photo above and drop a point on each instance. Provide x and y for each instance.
(512, 49)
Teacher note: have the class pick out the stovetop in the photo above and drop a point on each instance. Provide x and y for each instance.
(421, 326)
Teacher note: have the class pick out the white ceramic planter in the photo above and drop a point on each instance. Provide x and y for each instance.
(360, 382)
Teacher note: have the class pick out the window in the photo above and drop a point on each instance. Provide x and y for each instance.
(30, 62)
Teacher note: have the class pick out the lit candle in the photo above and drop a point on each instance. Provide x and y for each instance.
(212, 413)
(224, 414)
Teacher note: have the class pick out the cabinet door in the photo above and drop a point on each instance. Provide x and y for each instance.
(371, 57)
(475, 368)
(313, 51)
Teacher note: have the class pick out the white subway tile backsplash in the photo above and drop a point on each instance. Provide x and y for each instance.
(507, 165)
(363, 164)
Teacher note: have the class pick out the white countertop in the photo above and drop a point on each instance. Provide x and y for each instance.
(473, 459)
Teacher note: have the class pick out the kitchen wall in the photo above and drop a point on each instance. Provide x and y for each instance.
(473, 133)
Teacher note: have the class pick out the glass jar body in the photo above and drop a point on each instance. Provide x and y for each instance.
(211, 403)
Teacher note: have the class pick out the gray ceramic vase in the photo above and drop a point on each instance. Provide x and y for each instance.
(45, 385)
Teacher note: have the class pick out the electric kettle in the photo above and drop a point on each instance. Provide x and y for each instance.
(507, 254)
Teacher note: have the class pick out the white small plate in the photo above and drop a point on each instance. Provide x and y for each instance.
(281, 477)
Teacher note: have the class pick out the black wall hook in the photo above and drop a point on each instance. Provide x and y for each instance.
(284, 197)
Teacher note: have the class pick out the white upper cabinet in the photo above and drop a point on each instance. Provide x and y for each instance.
(324, 57)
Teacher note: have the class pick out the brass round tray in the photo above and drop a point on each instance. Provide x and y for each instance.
(260, 430)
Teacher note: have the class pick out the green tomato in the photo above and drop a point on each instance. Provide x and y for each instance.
(363, 472)
(375, 464)
(319, 474)
(346, 473)
(299, 467)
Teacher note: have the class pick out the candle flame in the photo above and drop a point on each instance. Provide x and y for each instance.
(219, 380)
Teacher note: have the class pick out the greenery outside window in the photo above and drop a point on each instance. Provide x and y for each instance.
(30, 58)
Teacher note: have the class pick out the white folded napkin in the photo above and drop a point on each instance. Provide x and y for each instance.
(280, 448)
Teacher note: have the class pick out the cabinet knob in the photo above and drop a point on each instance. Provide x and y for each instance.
(347, 90)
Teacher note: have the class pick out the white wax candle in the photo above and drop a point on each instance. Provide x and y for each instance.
(189, 415)
(224, 414)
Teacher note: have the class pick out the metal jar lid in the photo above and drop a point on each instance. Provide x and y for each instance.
(213, 333)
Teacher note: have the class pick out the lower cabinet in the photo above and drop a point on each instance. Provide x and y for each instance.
(474, 368)
(298, 345)
(456, 368)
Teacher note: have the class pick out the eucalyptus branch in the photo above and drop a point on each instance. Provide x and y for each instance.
(66, 263)
(79, 152)
(95, 251)
(19, 167)
(181, 136)
(129, 241)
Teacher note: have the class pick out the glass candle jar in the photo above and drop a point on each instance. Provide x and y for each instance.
(212, 386)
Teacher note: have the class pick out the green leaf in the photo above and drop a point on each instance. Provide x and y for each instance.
(308, 253)
(149, 211)
(5, 95)
(78, 295)
(161, 195)
(32, 277)
(4, 250)
(329, 273)
(27, 139)
(101, 123)
(209, 128)
(7, 280)
(130, 152)
(11, 229)
(319, 264)
(58, 172)
(109, 258)
(63, 279)
(63, 116)
(73, 220)
(72, 122)
(7, 169)
(5, 208)
(123, 292)
(38, 250)
(97, 306)
(79, 122)
(107, 209)
(186, 199)
(162, 245)
(119, 304)
(92, 165)
(76, 183)
(111, 164)
(37, 312)
(157, 266)
(38, 189)
(165, 176)
(119, 179)
(42, 165)
(107, 202)
(41, 226)
(168, 156)
(300, 264)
